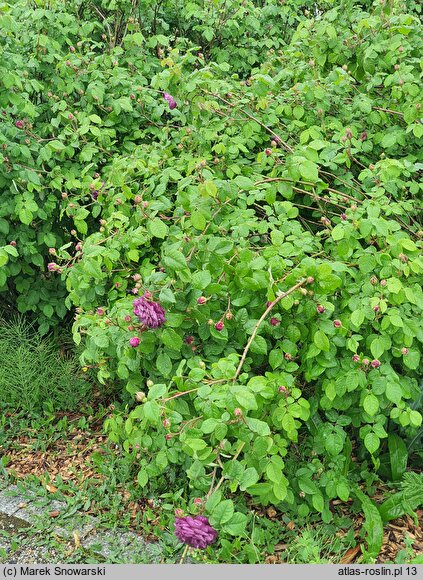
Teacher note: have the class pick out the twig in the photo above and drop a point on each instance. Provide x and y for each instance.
(268, 129)
(258, 323)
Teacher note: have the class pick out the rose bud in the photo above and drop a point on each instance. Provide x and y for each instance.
(320, 309)
(201, 300)
(274, 321)
(140, 396)
(375, 363)
(363, 136)
(168, 436)
(19, 124)
(403, 258)
(237, 412)
(127, 318)
(219, 325)
(166, 423)
(383, 282)
(198, 501)
(179, 513)
(343, 216)
(12, 243)
(373, 280)
(52, 267)
(134, 341)
(404, 351)
(136, 277)
(268, 152)
(356, 358)
(288, 356)
(137, 199)
(366, 361)
(337, 323)
(189, 339)
(100, 311)
(282, 389)
(229, 315)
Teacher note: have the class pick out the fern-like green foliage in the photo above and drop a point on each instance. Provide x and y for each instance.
(33, 370)
(408, 499)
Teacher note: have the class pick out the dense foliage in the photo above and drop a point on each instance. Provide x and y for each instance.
(254, 169)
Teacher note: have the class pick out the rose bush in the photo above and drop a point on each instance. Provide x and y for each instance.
(244, 254)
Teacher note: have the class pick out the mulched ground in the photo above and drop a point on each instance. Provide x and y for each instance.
(71, 459)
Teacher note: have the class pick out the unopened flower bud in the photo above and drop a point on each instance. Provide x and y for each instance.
(375, 363)
(219, 325)
(201, 300)
(356, 358)
(237, 412)
(140, 396)
(337, 323)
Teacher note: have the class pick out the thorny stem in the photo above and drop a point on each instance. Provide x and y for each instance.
(268, 129)
(222, 479)
(258, 323)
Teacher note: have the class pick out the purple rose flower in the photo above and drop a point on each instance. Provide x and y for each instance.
(195, 531)
(150, 313)
(171, 101)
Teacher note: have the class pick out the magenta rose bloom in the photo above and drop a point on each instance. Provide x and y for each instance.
(195, 531)
(150, 313)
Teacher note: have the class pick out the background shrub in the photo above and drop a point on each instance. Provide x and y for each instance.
(273, 213)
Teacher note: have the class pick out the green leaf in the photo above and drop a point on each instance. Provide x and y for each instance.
(3, 259)
(371, 442)
(259, 345)
(343, 490)
(371, 404)
(48, 310)
(198, 220)
(249, 477)
(156, 392)
(373, 525)
(222, 513)
(142, 477)
(338, 232)
(309, 170)
(398, 455)
(171, 339)
(236, 525)
(25, 216)
(412, 359)
(321, 340)
(318, 502)
(201, 279)
(164, 364)
(357, 318)
(157, 228)
(247, 400)
(377, 347)
(257, 426)
(393, 391)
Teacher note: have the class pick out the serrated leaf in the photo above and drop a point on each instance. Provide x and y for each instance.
(371, 404)
(249, 477)
(222, 513)
(247, 400)
(157, 228)
(321, 340)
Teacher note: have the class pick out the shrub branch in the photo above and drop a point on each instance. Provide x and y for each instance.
(258, 323)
